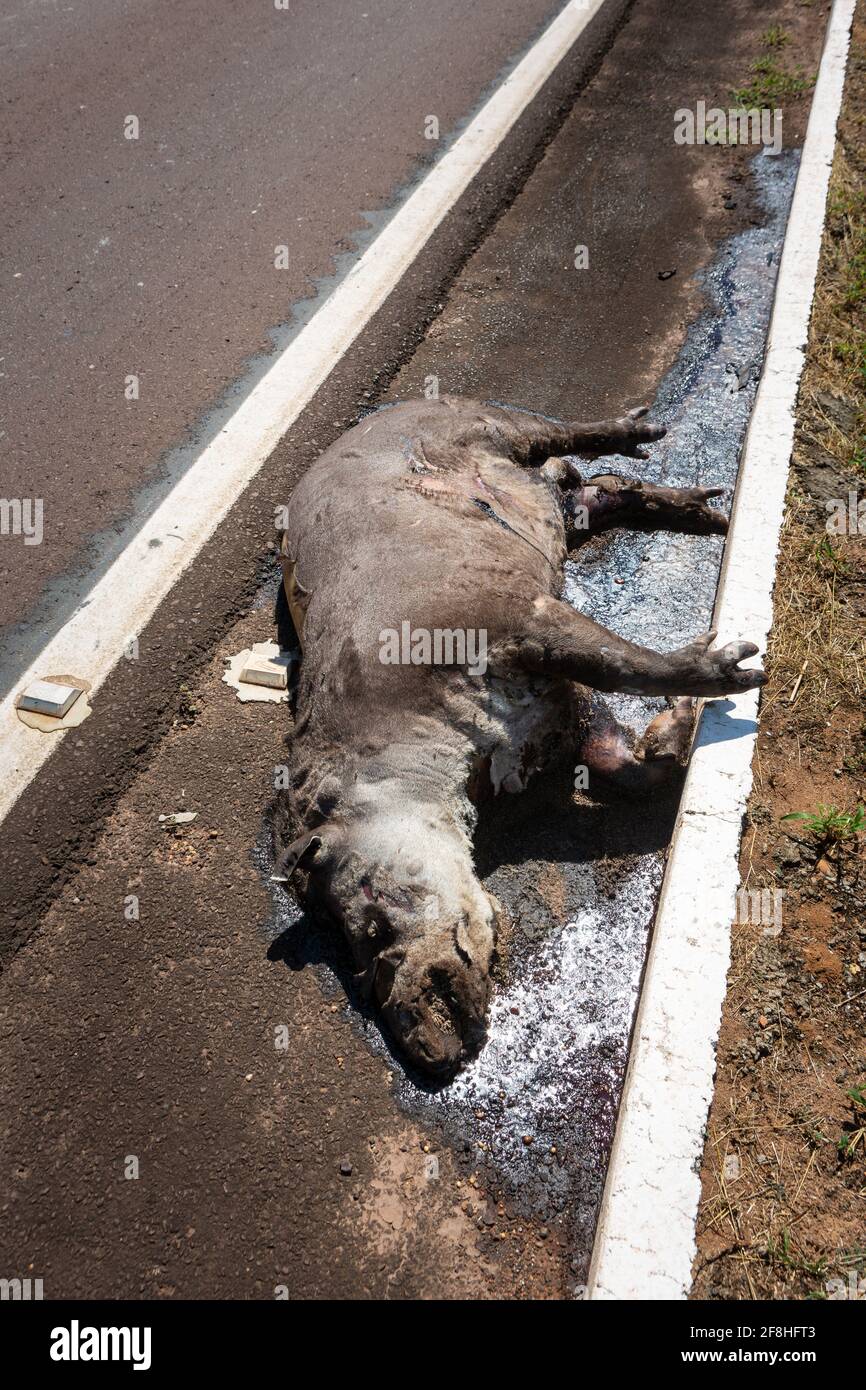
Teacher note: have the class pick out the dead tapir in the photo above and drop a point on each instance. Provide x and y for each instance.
(422, 567)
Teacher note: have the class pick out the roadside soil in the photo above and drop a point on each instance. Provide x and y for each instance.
(783, 1213)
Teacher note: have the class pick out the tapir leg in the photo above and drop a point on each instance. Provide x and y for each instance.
(610, 751)
(532, 439)
(608, 500)
(558, 641)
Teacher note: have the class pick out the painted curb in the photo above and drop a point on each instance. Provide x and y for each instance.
(645, 1240)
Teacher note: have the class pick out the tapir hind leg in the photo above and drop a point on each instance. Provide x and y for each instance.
(608, 500)
(657, 758)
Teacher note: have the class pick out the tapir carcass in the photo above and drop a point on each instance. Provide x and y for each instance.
(423, 570)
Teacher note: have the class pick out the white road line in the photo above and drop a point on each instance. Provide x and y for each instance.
(645, 1242)
(122, 602)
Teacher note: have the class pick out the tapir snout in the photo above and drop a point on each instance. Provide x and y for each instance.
(420, 926)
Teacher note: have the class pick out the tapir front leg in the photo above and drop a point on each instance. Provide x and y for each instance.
(557, 640)
(531, 438)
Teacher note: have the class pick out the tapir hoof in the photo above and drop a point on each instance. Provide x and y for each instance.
(716, 671)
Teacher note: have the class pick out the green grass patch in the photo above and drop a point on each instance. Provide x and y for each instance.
(775, 37)
(830, 825)
(830, 559)
(771, 85)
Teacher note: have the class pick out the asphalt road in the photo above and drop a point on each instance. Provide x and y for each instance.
(155, 1038)
(154, 256)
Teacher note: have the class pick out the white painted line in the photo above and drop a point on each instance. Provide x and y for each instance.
(645, 1243)
(122, 602)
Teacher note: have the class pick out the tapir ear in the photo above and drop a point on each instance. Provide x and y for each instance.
(299, 851)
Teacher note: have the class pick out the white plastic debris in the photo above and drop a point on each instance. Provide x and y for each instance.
(179, 818)
(272, 671)
(260, 672)
(54, 702)
(49, 697)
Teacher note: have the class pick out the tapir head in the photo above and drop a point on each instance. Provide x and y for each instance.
(420, 925)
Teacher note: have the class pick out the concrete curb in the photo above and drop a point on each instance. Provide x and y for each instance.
(645, 1241)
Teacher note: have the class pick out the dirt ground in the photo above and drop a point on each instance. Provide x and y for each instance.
(784, 1174)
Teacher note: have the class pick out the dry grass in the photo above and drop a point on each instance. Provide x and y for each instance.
(837, 345)
(784, 1183)
(765, 1212)
(817, 654)
(818, 646)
